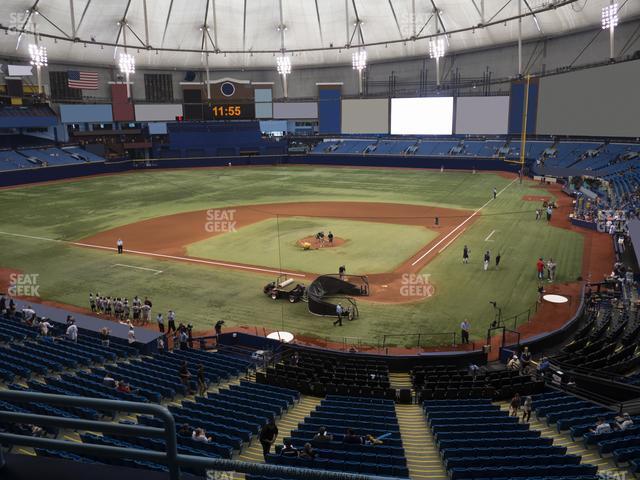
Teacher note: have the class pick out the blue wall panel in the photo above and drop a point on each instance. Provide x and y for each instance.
(86, 114)
(329, 110)
(516, 105)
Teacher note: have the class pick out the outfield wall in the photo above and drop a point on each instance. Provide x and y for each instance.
(36, 175)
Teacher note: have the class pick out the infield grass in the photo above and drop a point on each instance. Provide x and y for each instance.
(369, 247)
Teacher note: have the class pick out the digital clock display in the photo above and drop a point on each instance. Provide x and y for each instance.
(233, 111)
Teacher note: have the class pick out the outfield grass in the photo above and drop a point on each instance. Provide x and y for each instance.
(202, 295)
(369, 247)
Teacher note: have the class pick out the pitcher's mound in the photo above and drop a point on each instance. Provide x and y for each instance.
(310, 243)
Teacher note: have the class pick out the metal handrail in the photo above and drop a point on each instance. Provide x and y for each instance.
(169, 457)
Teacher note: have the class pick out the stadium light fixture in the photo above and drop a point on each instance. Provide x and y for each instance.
(610, 21)
(39, 59)
(127, 64)
(283, 65)
(38, 55)
(436, 50)
(359, 62)
(610, 16)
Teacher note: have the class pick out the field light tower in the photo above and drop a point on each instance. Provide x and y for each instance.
(610, 21)
(359, 62)
(127, 64)
(436, 50)
(39, 59)
(283, 65)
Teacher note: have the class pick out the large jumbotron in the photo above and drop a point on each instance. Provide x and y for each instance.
(319, 239)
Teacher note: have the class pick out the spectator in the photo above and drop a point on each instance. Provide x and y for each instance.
(624, 422)
(72, 331)
(185, 430)
(308, 452)
(514, 363)
(199, 435)
(351, 437)
(28, 315)
(525, 359)
(183, 338)
(474, 370)
(202, 381)
(601, 427)
(322, 435)
(104, 336)
(268, 435)
(109, 381)
(123, 387)
(527, 406)
(543, 366)
(45, 326)
(185, 378)
(514, 405)
(3, 304)
(288, 450)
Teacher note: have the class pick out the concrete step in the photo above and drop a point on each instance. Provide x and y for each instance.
(606, 466)
(423, 458)
(289, 421)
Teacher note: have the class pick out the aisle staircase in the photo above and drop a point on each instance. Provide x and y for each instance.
(420, 450)
(422, 454)
(606, 467)
(289, 421)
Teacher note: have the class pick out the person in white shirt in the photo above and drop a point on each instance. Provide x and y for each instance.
(199, 436)
(601, 427)
(72, 332)
(624, 422)
(131, 336)
(44, 327)
(28, 314)
(120, 245)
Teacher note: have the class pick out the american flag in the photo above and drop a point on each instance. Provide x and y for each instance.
(82, 80)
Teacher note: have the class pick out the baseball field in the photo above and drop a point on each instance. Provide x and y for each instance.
(204, 242)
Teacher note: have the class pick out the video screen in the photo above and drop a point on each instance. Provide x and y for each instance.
(422, 116)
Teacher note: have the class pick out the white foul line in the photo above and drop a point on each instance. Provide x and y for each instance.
(138, 268)
(451, 241)
(489, 236)
(158, 255)
(460, 226)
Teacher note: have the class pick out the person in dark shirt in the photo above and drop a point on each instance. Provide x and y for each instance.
(268, 435)
(308, 452)
(322, 436)
(185, 378)
(288, 450)
(202, 381)
(185, 430)
(351, 437)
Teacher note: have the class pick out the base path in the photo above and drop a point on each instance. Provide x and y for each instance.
(168, 237)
